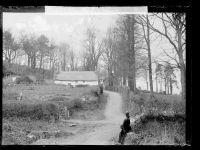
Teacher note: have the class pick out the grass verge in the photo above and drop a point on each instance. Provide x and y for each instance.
(163, 120)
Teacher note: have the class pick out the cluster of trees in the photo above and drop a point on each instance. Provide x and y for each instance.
(38, 52)
(92, 50)
(125, 51)
(165, 75)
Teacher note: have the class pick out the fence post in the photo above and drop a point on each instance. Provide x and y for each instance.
(66, 112)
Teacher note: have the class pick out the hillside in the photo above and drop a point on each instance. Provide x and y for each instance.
(24, 70)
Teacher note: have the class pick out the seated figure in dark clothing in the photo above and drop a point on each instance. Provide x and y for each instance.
(125, 128)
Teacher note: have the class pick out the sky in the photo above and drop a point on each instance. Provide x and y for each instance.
(71, 27)
(60, 28)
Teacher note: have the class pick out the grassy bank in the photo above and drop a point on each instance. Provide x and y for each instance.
(163, 120)
(157, 133)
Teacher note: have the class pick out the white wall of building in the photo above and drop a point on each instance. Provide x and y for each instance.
(74, 83)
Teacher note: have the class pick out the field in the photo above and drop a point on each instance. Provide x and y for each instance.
(41, 109)
(162, 121)
(38, 93)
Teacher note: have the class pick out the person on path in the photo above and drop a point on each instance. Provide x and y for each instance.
(101, 88)
(125, 128)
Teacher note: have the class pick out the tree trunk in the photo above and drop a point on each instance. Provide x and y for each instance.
(111, 81)
(124, 79)
(33, 62)
(109, 76)
(170, 83)
(147, 85)
(50, 63)
(149, 56)
(160, 84)
(165, 85)
(29, 61)
(183, 84)
(43, 71)
(134, 74)
(41, 61)
(156, 83)
(182, 66)
(131, 46)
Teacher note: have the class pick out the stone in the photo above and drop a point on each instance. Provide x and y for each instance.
(72, 125)
(32, 138)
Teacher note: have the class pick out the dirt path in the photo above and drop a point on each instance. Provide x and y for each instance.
(100, 132)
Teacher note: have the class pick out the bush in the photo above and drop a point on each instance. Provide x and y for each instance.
(95, 92)
(77, 104)
(41, 81)
(81, 85)
(24, 80)
(43, 111)
(159, 130)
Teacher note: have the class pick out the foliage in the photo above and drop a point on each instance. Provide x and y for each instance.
(42, 111)
(154, 132)
(24, 80)
(30, 104)
(163, 119)
(142, 103)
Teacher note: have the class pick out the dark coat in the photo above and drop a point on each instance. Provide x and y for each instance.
(126, 125)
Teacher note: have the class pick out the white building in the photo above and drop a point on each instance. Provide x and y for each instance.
(75, 78)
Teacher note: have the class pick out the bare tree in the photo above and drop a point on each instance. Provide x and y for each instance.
(30, 46)
(64, 56)
(43, 48)
(93, 50)
(159, 76)
(10, 46)
(169, 78)
(51, 54)
(143, 69)
(174, 23)
(109, 53)
(72, 59)
(146, 32)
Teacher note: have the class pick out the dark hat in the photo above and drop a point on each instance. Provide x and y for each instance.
(127, 113)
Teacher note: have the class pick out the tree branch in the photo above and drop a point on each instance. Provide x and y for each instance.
(164, 34)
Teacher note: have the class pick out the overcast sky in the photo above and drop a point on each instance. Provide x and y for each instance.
(70, 28)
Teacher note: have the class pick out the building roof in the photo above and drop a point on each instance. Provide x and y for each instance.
(77, 75)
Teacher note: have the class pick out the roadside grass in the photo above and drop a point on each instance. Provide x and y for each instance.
(163, 119)
(44, 104)
(157, 133)
(16, 131)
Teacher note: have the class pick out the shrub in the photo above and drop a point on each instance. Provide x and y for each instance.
(41, 81)
(76, 104)
(91, 90)
(155, 130)
(24, 79)
(33, 78)
(42, 111)
(81, 85)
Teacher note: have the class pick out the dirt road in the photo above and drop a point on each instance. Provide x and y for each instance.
(100, 132)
